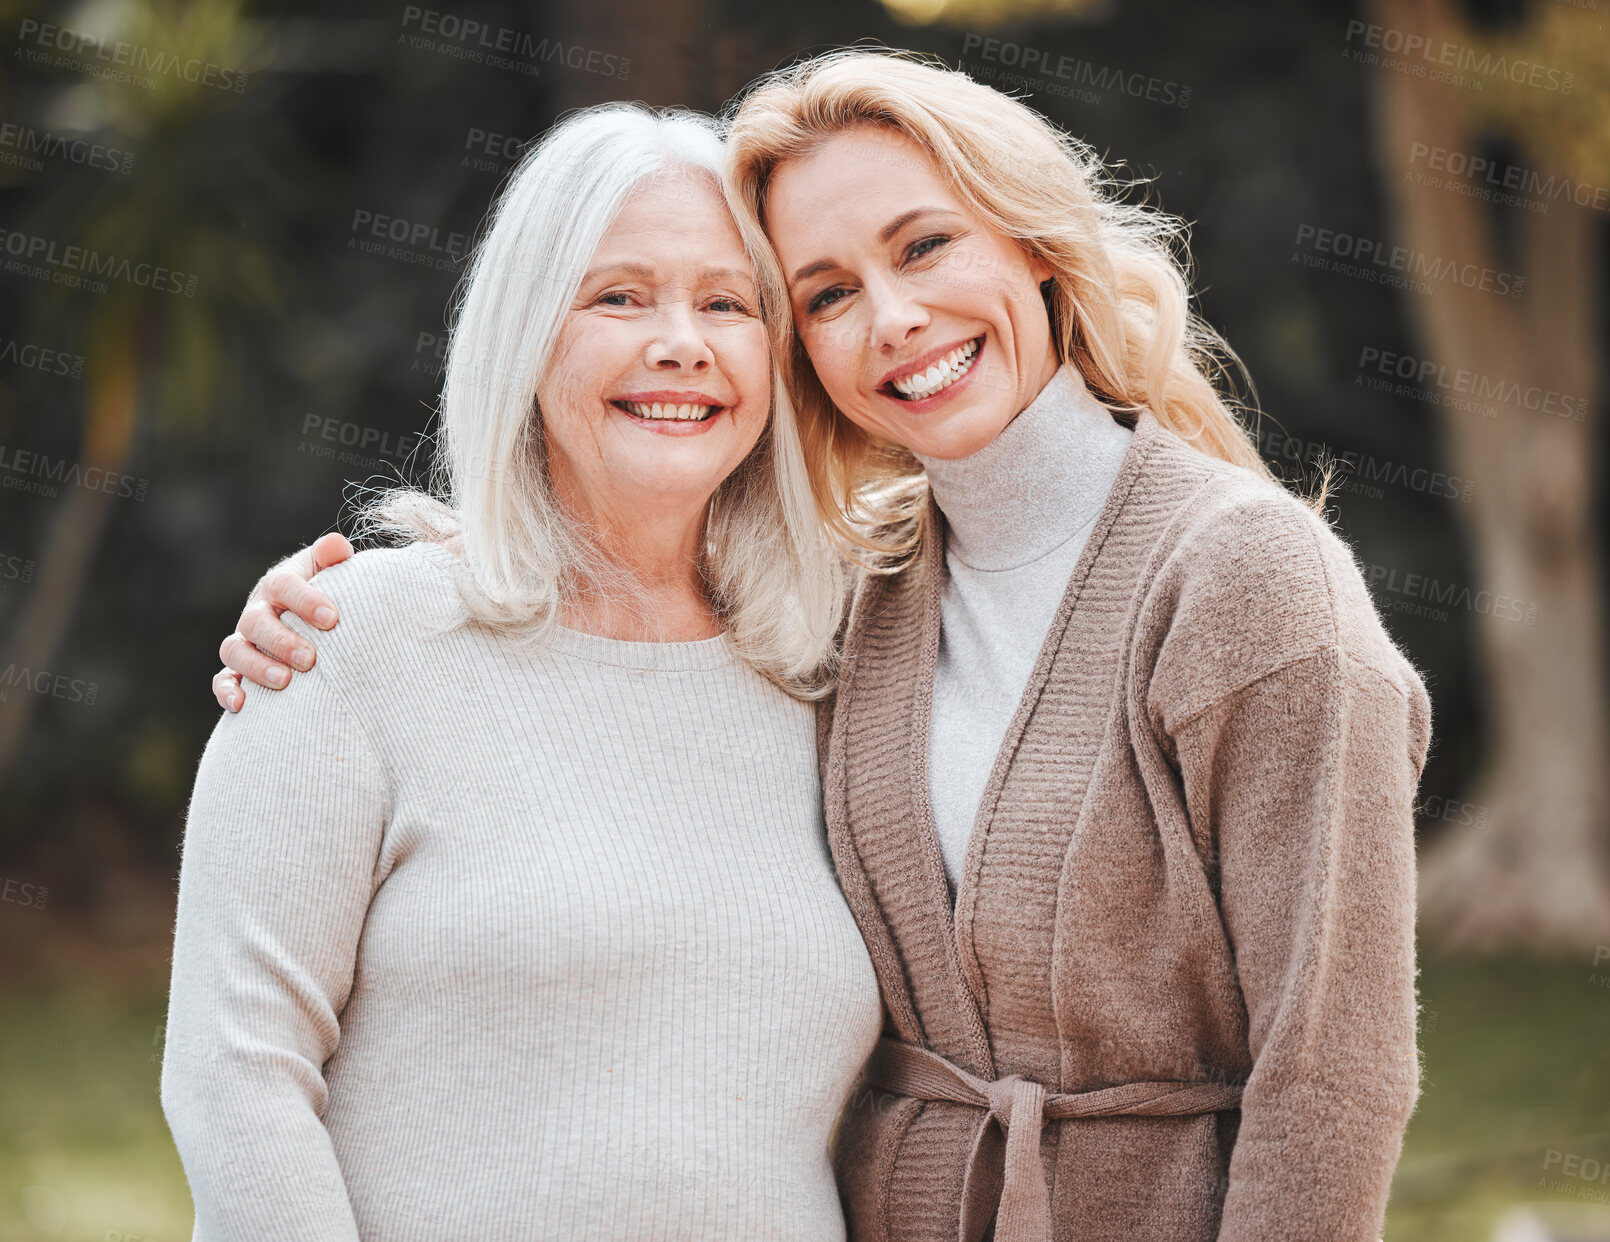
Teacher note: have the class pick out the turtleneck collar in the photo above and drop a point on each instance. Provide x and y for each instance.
(1041, 481)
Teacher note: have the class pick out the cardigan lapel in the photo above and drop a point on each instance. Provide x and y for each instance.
(967, 894)
(884, 842)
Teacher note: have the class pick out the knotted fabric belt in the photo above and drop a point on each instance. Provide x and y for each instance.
(1006, 1180)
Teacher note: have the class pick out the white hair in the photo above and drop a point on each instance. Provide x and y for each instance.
(768, 565)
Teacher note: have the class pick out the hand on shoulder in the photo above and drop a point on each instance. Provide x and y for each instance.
(263, 648)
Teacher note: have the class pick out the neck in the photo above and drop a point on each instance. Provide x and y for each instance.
(649, 586)
(1040, 481)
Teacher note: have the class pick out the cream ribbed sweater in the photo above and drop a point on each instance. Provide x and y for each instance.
(478, 941)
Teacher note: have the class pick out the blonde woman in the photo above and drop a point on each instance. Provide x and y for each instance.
(1120, 768)
(542, 939)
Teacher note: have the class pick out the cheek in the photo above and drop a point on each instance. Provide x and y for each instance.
(979, 275)
(1020, 274)
(568, 443)
(562, 379)
(560, 397)
(1032, 319)
(751, 367)
(834, 362)
(595, 349)
(570, 390)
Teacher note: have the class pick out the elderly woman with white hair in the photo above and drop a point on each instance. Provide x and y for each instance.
(543, 938)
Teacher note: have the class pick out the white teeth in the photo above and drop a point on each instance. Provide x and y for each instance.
(940, 375)
(663, 410)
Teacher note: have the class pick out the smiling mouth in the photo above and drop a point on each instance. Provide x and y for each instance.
(937, 376)
(666, 411)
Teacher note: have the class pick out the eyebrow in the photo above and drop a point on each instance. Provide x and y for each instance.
(643, 271)
(713, 275)
(887, 232)
(903, 219)
(647, 271)
(813, 269)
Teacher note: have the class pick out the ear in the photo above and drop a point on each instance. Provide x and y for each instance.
(1040, 269)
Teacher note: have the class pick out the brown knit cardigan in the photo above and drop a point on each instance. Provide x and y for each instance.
(1194, 862)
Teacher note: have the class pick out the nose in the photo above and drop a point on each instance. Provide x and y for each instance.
(679, 344)
(896, 316)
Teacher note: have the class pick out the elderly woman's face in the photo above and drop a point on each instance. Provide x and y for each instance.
(660, 383)
(925, 325)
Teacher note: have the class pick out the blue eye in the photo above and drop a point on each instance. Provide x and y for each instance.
(606, 299)
(729, 306)
(926, 246)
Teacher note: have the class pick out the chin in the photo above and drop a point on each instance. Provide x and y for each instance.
(674, 482)
(955, 440)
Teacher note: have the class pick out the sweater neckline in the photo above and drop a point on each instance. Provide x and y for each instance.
(640, 655)
(645, 656)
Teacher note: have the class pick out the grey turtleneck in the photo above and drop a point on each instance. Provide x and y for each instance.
(1017, 515)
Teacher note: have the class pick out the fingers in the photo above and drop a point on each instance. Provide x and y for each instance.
(247, 661)
(326, 550)
(226, 689)
(329, 550)
(285, 586)
(263, 648)
(285, 589)
(261, 625)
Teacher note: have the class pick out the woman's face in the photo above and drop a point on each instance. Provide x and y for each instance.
(660, 383)
(925, 325)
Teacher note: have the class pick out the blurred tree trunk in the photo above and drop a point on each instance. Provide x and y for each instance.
(185, 212)
(1538, 873)
(75, 528)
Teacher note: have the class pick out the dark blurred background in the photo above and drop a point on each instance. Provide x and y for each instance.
(229, 238)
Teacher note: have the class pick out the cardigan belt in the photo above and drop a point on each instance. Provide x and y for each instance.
(1007, 1181)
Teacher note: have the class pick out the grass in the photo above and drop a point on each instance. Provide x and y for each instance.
(85, 1154)
(1517, 1080)
(1516, 1083)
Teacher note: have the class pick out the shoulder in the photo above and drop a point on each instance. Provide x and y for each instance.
(417, 578)
(1247, 579)
(390, 600)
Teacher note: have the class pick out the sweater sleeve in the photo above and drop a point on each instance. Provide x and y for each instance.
(280, 849)
(1305, 780)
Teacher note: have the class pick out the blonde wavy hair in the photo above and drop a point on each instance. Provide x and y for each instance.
(770, 569)
(1119, 295)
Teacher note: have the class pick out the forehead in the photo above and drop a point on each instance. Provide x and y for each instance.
(674, 219)
(848, 188)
